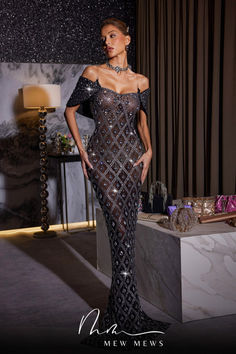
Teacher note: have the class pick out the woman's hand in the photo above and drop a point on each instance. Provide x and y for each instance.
(84, 161)
(146, 159)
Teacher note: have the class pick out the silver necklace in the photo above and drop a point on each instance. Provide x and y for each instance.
(116, 68)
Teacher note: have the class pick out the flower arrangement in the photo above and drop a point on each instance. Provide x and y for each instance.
(64, 143)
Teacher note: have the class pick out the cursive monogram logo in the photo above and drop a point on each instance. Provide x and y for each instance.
(112, 329)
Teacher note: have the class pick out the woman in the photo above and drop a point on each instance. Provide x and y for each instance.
(116, 162)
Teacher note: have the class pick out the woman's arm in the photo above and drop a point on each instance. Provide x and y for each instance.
(143, 130)
(90, 73)
(73, 127)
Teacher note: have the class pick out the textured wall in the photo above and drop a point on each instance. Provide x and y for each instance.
(59, 31)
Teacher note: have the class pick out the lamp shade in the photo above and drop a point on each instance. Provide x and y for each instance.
(44, 95)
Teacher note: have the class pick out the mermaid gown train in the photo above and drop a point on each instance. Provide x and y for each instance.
(112, 149)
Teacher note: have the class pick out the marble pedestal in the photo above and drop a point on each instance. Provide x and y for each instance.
(189, 275)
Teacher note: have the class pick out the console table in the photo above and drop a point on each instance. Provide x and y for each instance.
(189, 275)
(62, 159)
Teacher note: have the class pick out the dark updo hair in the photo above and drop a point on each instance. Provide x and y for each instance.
(116, 22)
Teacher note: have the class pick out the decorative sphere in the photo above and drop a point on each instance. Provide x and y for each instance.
(43, 169)
(42, 145)
(42, 121)
(42, 137)
(42, 114)
(43, 161)
(44, 219)
(44, 210)
(43, 153)
(44, 194)
(43, 177)
(45, 226)
(42, 129)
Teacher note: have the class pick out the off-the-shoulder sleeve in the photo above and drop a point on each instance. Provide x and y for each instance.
(144, 98)
(81, 95)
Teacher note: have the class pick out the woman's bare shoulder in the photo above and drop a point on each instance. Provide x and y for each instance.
(143, 82)
(90, 72)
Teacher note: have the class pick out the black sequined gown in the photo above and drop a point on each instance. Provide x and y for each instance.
(112, 149)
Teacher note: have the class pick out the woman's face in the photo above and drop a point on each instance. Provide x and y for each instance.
(113, 40)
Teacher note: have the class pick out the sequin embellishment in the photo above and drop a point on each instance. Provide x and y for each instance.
(113, 148)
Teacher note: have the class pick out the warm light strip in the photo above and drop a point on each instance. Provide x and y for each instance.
(58, 227)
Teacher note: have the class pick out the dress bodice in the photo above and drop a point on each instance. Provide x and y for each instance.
(94, 99)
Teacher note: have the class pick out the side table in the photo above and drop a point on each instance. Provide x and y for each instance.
(62, 159)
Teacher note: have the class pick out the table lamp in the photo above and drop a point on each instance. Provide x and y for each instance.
(42, 97)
